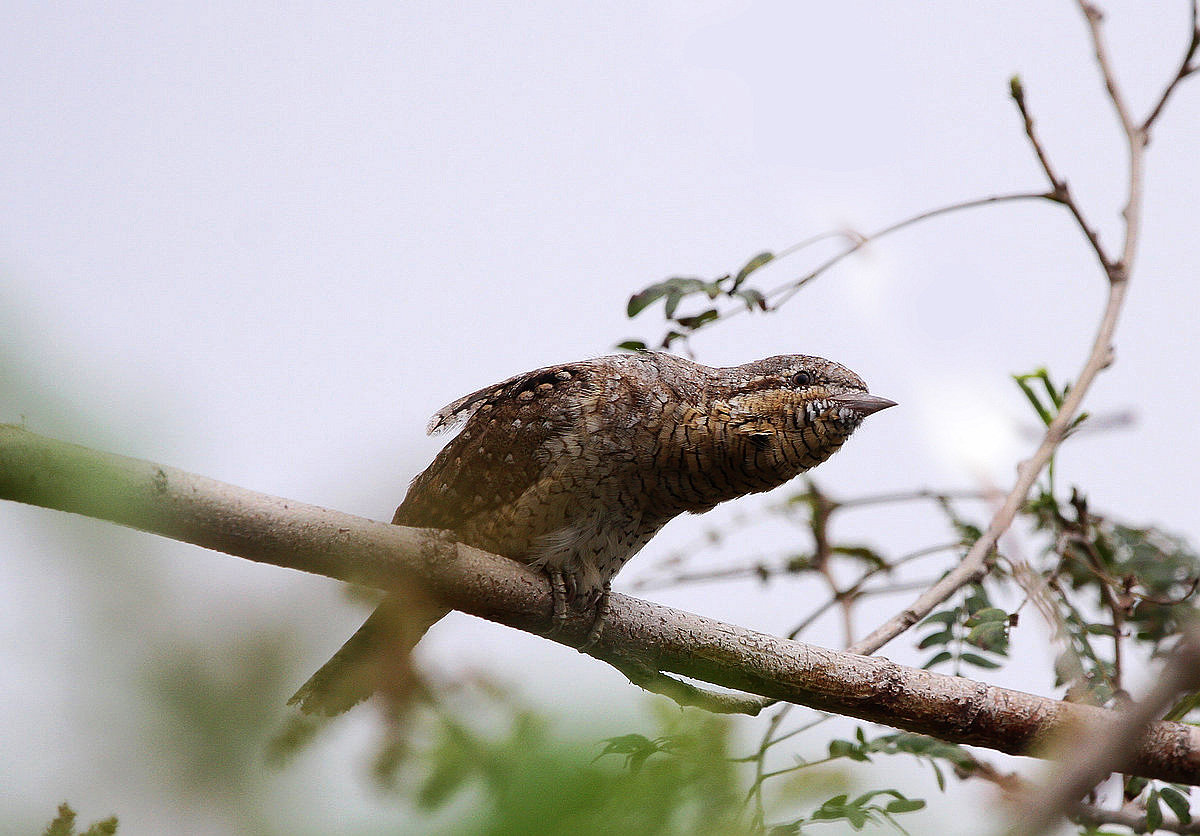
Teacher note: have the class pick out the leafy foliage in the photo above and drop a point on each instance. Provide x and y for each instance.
(973, 633)
(676, 289)
(922, 747)
(64, 824)
(856, 812)
(519, 776)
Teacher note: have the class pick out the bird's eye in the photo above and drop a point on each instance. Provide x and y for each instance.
(802, 379)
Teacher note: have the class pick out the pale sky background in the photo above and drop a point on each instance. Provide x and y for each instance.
(264, 242)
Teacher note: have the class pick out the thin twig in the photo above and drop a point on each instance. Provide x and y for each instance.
(1186, 68)
(759, 818)
(908, 496)
(782, 293)
(1094, 18)
(1061, 189)
(856, 590)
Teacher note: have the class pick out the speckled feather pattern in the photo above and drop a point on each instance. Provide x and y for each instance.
(575, 467)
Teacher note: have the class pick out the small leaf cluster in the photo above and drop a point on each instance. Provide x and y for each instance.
(64, 824)
(676, 289)
(856, 812)
(1112, 581)
(637, 748)
(1154, 795)
(972, 633)
(927, 749)
(525, 778)
(1046, 397)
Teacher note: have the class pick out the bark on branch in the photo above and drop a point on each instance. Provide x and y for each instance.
(638, 634)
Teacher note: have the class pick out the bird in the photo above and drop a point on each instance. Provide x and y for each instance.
(573, 468)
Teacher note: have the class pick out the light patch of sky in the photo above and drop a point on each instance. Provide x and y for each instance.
(265, 242)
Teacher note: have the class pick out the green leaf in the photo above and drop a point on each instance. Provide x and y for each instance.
(988, 614)
(905, 805)
(674, 297)
(991, 635)
(846, 749)
(942, 617)
(699, 320)
(938, 638)
(865, 554)
(1154, 814)
(1134, 787)
(64, 823)
(632, 345)
(977, 601)
(752, 265)
(979, 661)
(625, 743)
(671, 337)
(938, 658)
(674, 288)
(1178, 803)
(638, 302)
(834, 808)
(1031, 396)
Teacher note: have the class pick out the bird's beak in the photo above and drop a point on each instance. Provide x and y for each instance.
(863, 402)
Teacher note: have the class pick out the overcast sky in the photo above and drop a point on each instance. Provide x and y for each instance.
(264, 242)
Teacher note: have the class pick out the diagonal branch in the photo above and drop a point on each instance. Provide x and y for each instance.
(268, 529)
(1186, 68)
(1060, 189)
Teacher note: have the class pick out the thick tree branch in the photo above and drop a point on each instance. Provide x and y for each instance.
(267, 529)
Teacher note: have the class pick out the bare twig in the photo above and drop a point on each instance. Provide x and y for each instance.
(780, 294)
(787, 290)
(857, 590)
(1186, 68)
(1094, 17)
(908, 496)
(1061, 189)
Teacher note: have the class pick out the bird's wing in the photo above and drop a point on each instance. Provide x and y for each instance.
(502, 449)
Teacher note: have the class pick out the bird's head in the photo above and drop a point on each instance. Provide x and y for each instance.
(790, 413)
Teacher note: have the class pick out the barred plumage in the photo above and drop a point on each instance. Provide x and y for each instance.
(573, 468)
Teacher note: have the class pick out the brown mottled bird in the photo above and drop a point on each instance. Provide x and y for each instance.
(574, 468)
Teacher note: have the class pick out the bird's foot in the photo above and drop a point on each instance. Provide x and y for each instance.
(561, 589)
(558, 596)
(593, 635)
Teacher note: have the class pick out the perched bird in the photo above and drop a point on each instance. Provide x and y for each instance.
(573, 468)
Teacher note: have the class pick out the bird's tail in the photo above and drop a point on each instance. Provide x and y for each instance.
(378, 657)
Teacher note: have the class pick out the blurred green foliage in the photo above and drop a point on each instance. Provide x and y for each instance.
(64, 824)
